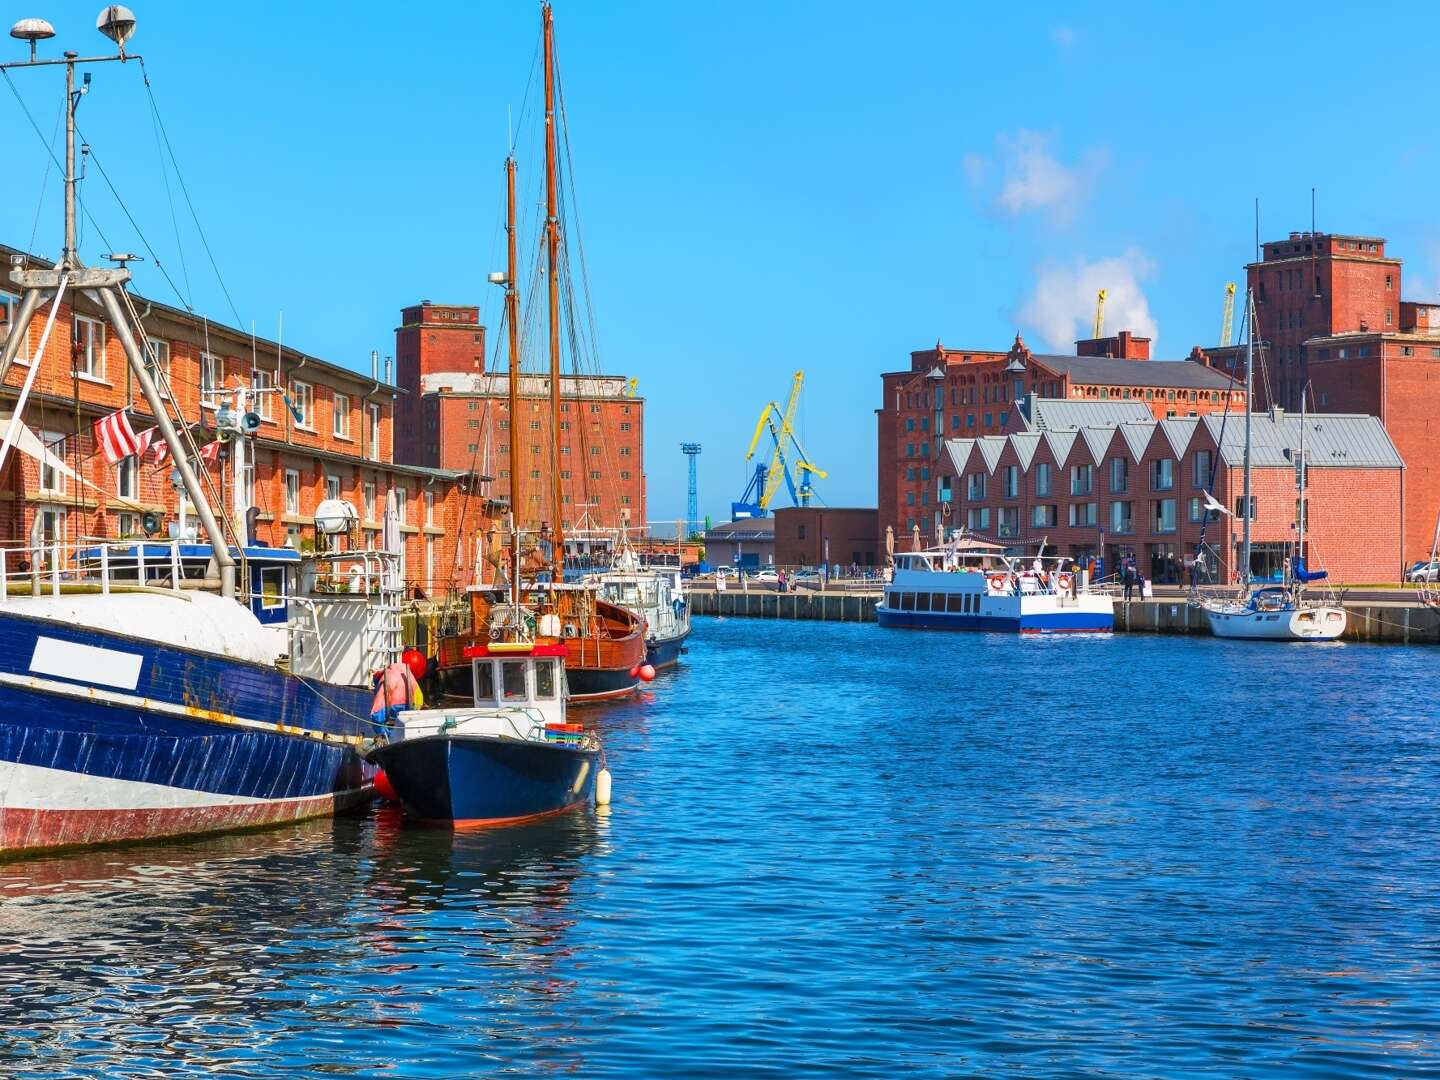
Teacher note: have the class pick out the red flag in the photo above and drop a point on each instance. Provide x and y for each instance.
(145, 440)
(116, 438)
(162, 451)
(210, 451)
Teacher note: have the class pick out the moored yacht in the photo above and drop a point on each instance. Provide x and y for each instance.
(656, 592)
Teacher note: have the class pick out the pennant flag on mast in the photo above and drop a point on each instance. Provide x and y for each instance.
(116, 438)
(210, 451)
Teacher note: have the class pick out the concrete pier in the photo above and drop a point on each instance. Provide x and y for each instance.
(1398, 622)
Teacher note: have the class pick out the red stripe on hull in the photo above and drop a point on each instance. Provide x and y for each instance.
(24, 830)
(607, 695)
(485, 823)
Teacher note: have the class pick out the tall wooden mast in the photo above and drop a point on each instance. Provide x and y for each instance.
(552, 261)
(512, 319)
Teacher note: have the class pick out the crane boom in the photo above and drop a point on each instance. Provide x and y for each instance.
(1227, 323)
(1099, 314)
(785, 434)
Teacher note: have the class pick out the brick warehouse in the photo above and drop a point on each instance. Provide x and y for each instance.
(954, 393)
(340, 448)
(1330, 313)
(1109, 479)
(455, 415)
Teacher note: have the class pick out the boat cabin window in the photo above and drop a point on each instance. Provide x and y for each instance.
(272, 587)
(922, 601)
(512, 677)
(955, 603)
(484, 682)
(545, 679)
(907, 601)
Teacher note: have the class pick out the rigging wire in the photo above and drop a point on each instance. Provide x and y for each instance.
(185, 190)
(45, 180)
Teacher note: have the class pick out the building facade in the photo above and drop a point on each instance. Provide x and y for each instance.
(457, 417)
(952, 393)
(329, 436)
(820, 535)
(1094, 484)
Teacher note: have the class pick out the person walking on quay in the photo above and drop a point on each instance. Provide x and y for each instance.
(1127, 575)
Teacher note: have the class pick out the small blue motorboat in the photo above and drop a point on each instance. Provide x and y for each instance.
(510, 757)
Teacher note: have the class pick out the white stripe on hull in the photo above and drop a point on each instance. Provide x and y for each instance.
(35, 787)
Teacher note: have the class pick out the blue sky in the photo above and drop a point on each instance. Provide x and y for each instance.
(762, 186)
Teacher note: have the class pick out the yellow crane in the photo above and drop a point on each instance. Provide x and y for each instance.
(1099, 314)
(781, 424)
(1227, 323)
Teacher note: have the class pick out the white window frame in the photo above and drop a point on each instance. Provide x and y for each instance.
(302, 396)
(429, 500)
(369, 496)
(127, 523)
(340, 421)
(127, 478)
(53, 441)
(161, 350)
(91, 365)
(262, 400)
(292, 491)
(334, 486)
(373, 449)
(402, 505)
(212, 378)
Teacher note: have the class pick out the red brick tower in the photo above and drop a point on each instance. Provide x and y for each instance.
(432, 339)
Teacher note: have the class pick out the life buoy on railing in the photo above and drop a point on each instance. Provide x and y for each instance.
(1063, 581)
(997, 581)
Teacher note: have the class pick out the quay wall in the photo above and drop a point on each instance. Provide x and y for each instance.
(1381, 621)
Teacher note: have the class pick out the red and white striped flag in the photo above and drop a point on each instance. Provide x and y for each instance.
(115, 436)
(210, 451)
(145, 440)
(162, 451)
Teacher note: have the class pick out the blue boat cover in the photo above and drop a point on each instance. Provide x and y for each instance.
(1297, 567)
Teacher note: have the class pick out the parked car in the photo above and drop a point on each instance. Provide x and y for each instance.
(1428, 570)
(808, 578)
(767, 576)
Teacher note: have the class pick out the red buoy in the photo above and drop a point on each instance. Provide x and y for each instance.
(647, 673)
(383, 788)
(414, 659)
(635, 671)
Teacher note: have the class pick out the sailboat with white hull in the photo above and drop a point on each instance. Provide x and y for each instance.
(1279, 612)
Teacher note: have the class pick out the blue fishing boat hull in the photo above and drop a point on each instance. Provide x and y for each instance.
(467, 780)
(665, 653)
(106, 738)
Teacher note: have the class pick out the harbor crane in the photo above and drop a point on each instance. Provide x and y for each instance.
(1227, 323)
(1099, 314)
(766, 480)
(691, 450)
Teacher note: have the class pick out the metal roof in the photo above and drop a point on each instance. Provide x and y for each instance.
(1112, 370)
(1060, 444)
(1332, 440)
(959, 451)
(1137, 436)
(1098, 440)
(1025, 443)
(991, 446)
(1060, 414)
(1178, 431)
(754, 528)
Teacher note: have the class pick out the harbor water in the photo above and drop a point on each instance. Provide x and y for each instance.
(834, 851)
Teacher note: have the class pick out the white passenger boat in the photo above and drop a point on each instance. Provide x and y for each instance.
(971, 585)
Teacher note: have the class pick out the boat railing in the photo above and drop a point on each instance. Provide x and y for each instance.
(87, 566)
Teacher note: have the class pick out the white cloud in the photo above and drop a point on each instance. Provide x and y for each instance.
(1031, 178)
(1061, 307)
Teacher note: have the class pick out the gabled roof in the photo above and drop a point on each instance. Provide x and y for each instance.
(959, 451)
(1060, 414)
(1025, 443)
(1177, 431)
(1137, 436)
(1110, 370)
(991, 447)
(1098, 440)
(1332, 440)
(1060, 443)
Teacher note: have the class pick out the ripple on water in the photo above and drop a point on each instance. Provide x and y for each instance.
(835, 851)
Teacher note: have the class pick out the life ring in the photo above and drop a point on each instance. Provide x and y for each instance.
(997, 581)
(1063, 580)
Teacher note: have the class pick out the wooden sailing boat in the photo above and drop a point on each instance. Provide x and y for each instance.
(605, 643)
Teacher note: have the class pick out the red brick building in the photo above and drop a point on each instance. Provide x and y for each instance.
(806, 535)
(456, 416)
(954, 393)
(340, 447)
(1091, 481)
(1330, 314)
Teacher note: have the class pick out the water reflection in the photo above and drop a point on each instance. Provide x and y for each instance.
(311, 940)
